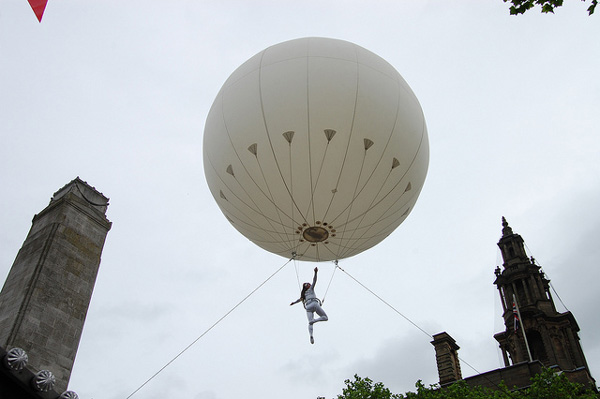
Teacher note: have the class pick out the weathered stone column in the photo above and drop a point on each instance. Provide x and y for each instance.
(45, 298)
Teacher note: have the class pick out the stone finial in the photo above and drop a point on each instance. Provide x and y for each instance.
(506, 229)
(16, 359)
(68, 395)
(44, 381)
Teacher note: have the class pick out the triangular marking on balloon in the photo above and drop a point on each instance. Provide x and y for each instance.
(253, 149)
(329, 133)
(405, 212)
(230, 170)
(395, 163)
(408, 187)
(38, 7)
(368, 144)
(289, 136)
(222, 195)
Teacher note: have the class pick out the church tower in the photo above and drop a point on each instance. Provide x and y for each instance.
(551, 337)
(45, 298)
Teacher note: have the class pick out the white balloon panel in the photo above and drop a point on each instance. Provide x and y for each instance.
(316, 147)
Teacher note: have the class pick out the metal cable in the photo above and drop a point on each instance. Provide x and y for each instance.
(210, 328)
(330, 280)
(417, 326)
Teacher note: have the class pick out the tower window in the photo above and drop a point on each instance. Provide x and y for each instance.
(536, 345)
(511, 251)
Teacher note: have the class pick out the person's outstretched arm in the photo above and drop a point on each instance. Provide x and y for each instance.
(296, 301)
(315, 278)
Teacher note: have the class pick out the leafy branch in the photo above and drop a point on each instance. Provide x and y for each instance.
(521, 6)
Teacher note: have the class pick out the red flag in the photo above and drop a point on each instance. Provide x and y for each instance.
(515, 317)
(38, 7)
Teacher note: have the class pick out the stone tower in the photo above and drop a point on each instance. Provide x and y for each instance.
(446, 356)
(552, 337)
(45, 298)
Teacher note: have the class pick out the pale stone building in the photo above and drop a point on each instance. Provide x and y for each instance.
(45, 298)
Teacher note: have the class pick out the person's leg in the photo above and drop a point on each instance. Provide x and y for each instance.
(321, 313)
(311, 318)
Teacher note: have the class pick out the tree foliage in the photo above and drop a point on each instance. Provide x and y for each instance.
(458, 390)
(546, 385)
(364, 388)
(550, 385)
(520, 6)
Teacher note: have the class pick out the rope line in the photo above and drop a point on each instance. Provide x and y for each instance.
(385, 302)
(330, 280)
(415, 324)
(260, 286)
(211, 327)
(535, 262)
(558, 296)
(297, 274)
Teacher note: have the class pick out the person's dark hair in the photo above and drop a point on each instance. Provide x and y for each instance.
(305, 286)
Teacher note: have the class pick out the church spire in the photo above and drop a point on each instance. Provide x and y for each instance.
(551, 336)
(512, 247)
(506, 229)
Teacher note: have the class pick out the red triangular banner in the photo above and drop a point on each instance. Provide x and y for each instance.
(38, 7)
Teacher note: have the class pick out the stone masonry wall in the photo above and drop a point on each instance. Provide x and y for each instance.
(44, 301)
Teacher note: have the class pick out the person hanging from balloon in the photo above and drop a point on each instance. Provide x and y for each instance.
(312, 304)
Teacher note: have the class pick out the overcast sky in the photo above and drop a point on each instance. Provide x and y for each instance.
(117, 93)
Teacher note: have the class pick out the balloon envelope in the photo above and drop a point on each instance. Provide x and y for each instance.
(316, 147)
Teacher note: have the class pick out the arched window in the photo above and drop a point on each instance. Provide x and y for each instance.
(511, 251)
(536, 346)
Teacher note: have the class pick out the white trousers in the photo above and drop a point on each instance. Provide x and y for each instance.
(313, 307)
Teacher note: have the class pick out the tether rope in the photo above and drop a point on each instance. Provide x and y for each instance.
(330, 280)
(535, 262)
(211, 327)
(416, 325)
(387, 303)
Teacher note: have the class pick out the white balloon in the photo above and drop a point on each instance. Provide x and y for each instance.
(315, 147)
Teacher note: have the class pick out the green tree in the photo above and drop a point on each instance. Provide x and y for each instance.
(551, 385)
(458, 390)
(546, 385)
(364, 388)
(520, 6)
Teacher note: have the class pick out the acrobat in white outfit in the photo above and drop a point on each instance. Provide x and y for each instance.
(312, 304)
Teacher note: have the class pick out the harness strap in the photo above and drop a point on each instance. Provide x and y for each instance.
(310, 300)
